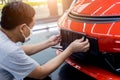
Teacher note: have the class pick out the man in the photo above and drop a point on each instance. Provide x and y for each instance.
(17, 20)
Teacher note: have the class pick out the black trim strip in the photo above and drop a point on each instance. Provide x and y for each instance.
(94, 19)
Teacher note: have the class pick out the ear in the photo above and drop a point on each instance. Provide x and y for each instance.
(22, 27)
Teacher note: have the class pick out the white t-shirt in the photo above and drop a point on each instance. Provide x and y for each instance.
(14, 63)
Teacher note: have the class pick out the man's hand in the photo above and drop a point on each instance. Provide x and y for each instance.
(79, 45)
(54, 40)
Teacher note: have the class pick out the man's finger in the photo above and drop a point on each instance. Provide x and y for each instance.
(85, 42)
(81, 39)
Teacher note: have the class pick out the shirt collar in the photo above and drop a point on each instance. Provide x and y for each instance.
(3, 35)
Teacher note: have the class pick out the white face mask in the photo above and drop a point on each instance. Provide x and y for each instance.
(27, 38)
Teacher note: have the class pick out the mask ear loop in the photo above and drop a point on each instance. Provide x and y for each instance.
(28, 38)
(25, 37)
(30, 30)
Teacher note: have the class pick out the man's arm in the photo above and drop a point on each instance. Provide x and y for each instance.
(42, 71)
(34, 48)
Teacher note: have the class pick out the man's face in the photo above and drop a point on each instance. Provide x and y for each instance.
(25, 30)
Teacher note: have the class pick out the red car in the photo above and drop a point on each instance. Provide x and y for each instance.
(99, 21)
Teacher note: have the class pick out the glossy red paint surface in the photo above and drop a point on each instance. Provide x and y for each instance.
(97, 7)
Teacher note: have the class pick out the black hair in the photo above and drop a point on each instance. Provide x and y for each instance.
(16, 13)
